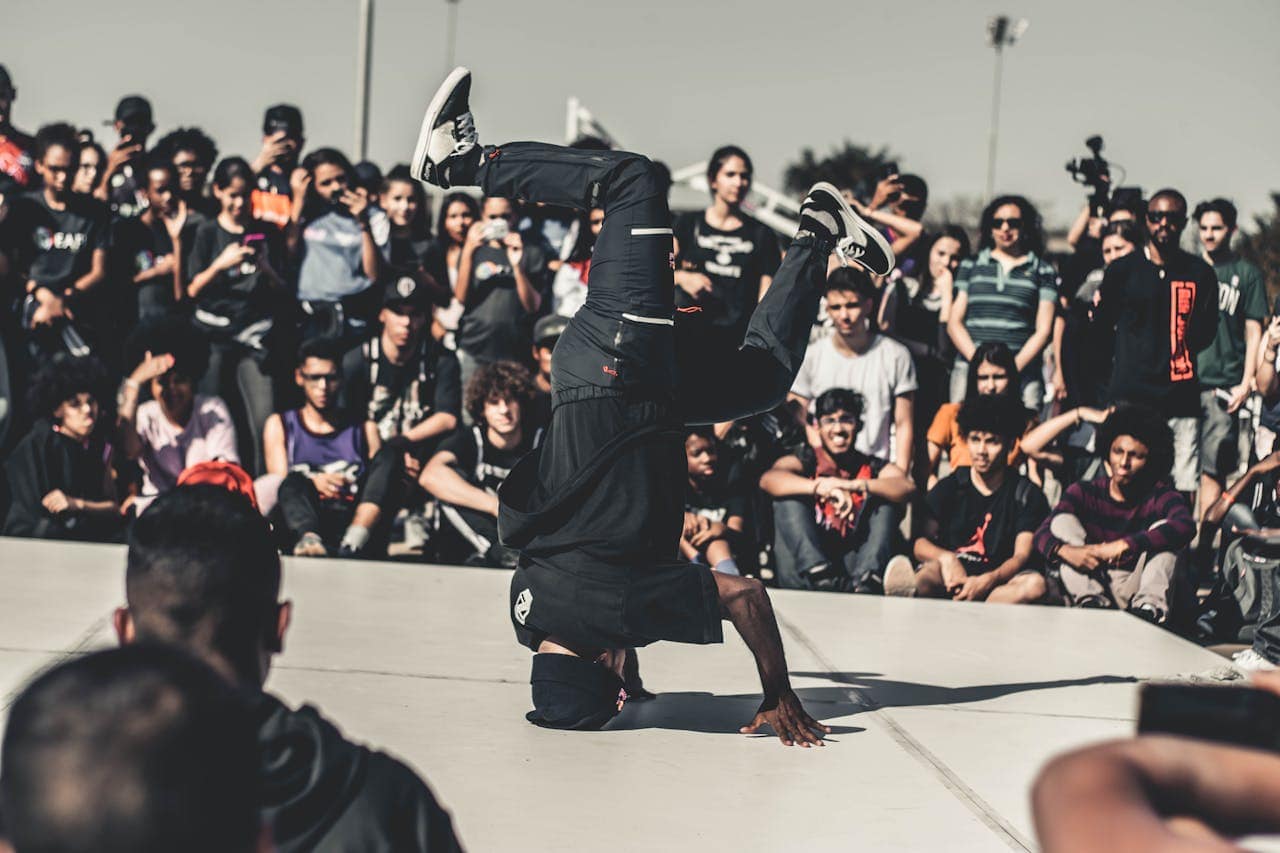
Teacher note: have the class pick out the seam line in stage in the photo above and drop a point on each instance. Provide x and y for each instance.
(391, 674)
(979, 807)
(78, 647)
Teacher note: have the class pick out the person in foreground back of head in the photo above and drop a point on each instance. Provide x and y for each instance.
(1158, 793)
(203, 574)
(137, 750)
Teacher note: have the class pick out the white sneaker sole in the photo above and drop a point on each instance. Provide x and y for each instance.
(851, 217)
(899, 577)
(418, 166)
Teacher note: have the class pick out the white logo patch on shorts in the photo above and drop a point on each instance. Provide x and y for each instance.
(524, 603)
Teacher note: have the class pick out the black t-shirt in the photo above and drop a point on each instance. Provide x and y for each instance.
(479, 462)
(735, 261)
(242, 296)
(407, 254)
(135, 248)
(494, 324)
(982, 529)
(55, 247)
(717, 499)
(124, 192)
(398, 397)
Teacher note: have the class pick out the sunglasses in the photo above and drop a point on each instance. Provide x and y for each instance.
(1014, 222)
(1155, 217)
(317, 378)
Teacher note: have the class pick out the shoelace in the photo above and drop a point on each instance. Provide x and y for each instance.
(464, 133)
(849, 250)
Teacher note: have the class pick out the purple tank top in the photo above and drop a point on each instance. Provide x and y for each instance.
(340, 451)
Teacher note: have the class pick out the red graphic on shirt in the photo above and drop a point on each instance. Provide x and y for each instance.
(977, 545)
(825, 511)
(1182, 299)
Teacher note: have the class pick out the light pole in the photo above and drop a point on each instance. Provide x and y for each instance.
(364, 60)
(452, 35)
(1001, 33)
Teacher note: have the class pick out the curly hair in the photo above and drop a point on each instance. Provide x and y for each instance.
(1032, 227)
(1146, 426)
(62, 379)
(191, 139)
(1003, 416)
(501, 380)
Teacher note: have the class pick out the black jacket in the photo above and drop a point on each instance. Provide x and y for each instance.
(322, 792)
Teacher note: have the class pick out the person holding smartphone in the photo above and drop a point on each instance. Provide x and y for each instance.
(282, 142)
(121, 188)
(237, 291)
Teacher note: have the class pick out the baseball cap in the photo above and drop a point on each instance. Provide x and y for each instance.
(405, 289)
(570, 692)
(368, 176)
(284, 117)
(6, 82)
(134, 108)
(549, 328)
(218, 472)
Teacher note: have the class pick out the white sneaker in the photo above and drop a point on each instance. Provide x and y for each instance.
(900, 577)
(1250, 661)
(446, 153)
(415, 532)
(855, 238)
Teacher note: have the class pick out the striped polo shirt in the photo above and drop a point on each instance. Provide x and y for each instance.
(1003, 306)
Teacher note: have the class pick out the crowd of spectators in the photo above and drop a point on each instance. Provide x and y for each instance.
(990, 422)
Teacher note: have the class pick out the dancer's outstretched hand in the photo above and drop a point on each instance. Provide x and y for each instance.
(789, 721)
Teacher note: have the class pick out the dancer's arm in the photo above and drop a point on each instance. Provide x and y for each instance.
(744, 602)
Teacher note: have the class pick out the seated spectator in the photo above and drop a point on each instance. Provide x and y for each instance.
(192, 154)
(992, 372)
(126, 750)
(330, 489)
(835, 507)
(60, 482)
(336, 249)
(980, 521)
(715, 509)
(204, 575)
(499, 286)
(1008, 293)
(176, 428)
(282, 142)
(466, 471)
(1120, 541)
(876, 367)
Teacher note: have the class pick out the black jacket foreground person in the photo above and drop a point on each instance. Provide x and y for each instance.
(203, 574)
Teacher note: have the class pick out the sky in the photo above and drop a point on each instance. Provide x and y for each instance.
(1183, 93)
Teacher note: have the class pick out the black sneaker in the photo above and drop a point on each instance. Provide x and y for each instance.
(448, 151)
(825, 212)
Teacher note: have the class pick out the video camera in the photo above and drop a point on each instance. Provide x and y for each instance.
(1095, 173)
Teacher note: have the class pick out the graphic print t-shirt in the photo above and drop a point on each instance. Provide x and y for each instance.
(733, 260)
(982, 529)
(816, 462)
(57, 246)
(489, 471)
(398, 397)
(272, 198)
(494, 324)
(16, 158)
(135, 248)
(241, 296)
(1242, 295)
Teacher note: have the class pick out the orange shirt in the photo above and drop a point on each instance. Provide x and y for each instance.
(945, 432)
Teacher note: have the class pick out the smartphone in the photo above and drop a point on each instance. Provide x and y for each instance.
(888, 170)
(1243, 716)
(495, 229)
(251, 240)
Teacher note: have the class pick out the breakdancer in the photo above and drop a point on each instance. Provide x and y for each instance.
(597, 511)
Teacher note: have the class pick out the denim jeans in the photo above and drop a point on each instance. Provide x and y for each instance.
(798, 543)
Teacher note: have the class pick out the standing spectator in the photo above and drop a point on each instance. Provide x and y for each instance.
(338, 253)
(715, 508)
(192, 154)
(92, 161)
(148, 253)
(16, 148)
(237, 291)
(896, 206)
(458, 212)
(121, 187)
(878, 368)
(60, 483)
(498, 286)
(569, 287)
(976, 541)
(1227, 365)
(282, 142)
(465, 473)
(63, 241)
(1006, 294)
(835, 507)
(176, 428)
(726, 259)
(405, 202)
(1160, 309)
(330, 489)
(1120, 540)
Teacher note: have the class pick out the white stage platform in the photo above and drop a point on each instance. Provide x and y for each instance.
(941, 712)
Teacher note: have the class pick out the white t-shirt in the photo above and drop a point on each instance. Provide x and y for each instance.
(168, 450)
(881, 374)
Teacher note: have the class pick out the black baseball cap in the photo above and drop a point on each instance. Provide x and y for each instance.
(404, 290)
(6, 82)
(570, 692)
(549, 328)
(284, 117)
(134, 109)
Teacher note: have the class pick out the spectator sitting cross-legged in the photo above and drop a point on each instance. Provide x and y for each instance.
(60, 482)
(715, 507)
(835, 507)
(1120, 541)
(466, 471)
(329, 482)
(855, 357)
(204, 575)
(977, 534)
(176, 428)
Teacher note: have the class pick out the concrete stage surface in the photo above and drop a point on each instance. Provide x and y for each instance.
(941, 712)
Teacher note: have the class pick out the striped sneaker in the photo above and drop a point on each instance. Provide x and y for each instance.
(448, 151)
(824, 211)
